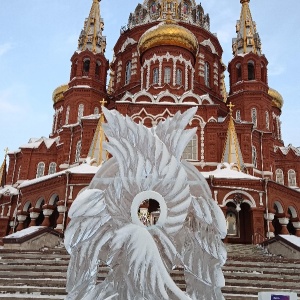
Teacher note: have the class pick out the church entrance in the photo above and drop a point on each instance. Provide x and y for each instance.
(239, 223)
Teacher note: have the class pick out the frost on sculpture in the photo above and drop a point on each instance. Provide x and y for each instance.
(110, 223)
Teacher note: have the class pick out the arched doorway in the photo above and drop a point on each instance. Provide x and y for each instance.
(39, 220)
(54, 216)
(239, 217)
(278, 212)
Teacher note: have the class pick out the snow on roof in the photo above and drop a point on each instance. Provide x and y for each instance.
(285, 150)
(292, 239)
(9, 190)
(34, 143)
(225, 170)
(24, 232)
(81, 169)
(93, 116)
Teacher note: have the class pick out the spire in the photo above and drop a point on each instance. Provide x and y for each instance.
(96, 150)
(232, 152)
(3, 170)
(91, 36)
(247, 39)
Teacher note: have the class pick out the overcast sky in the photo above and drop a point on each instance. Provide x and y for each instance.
(38, 38)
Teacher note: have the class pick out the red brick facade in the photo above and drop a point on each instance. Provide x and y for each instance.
(150, 86)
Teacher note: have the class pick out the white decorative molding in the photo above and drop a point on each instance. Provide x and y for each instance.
(129, 41)
(158, 99)
(168, 57)
(210, 45)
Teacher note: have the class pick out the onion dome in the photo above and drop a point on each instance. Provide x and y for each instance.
(277, 99)
(168, 33)
(58, 93)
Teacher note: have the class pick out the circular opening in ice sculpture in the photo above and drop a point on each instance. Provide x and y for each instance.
(149, 208)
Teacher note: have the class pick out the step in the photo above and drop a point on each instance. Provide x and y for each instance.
(34, 282)
(46, 290)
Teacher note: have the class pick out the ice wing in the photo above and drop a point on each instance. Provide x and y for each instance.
(87, 235)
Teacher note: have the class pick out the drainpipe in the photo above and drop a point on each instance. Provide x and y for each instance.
(15, 220)
(66, 197)
(71, 141)
(267, 207)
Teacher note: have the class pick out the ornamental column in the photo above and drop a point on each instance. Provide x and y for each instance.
(12, 225)
(47, 211)
(269, 217)
(21, 217)
(284, 222)
(297, 227)
(34, 214)
(61, 208)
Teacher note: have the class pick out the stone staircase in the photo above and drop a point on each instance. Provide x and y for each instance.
(42, 274)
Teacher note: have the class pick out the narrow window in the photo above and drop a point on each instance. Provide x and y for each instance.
(78, 151)
(251, 74)
(128, 72)
(96, 111)
(178, 77)
(167, 75)
(86, 67)
(67, 115)
(239, 72)
(207, 74)
(40, 169)
(267, 120)
(97, 70)
(238, 115)
(190, 151)
(254, 156)
(52, 168)
(155, 76)
(254, 116)
(279, 176)
(292, 178)
(80, 112)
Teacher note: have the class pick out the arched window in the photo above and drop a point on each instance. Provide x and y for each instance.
(238, 115)
(167, 75)
(292, 178)
(254, 156)
(78, 151)
(128, 72)
(80, 112)
(178, 77)
(40, 169)
(96, 111)
(239, 72)
(254, 116)
(279, 176)
(207, 74)
(190, 151)
(67, 115)
(52, 168)
(86, 66)
(97, 70)
(251, 70)
(267, 120)
(155, 76)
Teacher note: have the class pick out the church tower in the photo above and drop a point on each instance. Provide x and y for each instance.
(248, 74)
(79, 100)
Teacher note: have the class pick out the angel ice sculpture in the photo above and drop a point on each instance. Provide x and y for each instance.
(105, 227)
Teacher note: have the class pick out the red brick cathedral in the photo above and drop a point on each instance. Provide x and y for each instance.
(165, 60)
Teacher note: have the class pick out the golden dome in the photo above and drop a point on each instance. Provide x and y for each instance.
(168, 33)
(58, 93)
(276, 97)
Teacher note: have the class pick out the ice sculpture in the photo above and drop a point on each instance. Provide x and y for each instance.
(106, 227)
